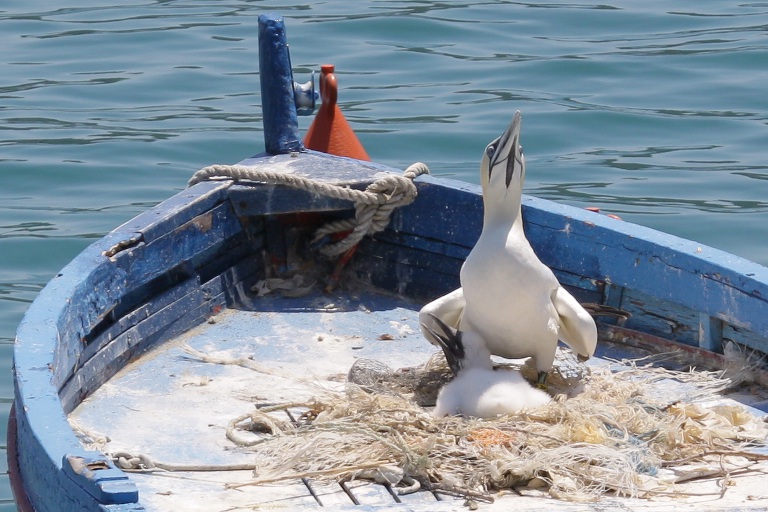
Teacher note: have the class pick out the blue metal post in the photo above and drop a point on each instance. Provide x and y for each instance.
(281, 126)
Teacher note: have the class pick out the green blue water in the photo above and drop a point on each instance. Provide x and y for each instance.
(656, 111)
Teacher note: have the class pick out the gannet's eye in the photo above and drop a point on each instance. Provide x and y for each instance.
(490, 150)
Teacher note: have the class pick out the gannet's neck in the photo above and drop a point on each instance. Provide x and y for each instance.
(502, 213)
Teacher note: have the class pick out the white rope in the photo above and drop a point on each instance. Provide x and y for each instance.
(373, 206)
(142, 463)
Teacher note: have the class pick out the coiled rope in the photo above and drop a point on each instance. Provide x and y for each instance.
(373, 206)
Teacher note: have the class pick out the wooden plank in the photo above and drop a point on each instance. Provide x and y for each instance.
(710, 333)
(231, 286)
(200, 237)
(115, 354)
(663, 318)
(446, 210)
(175, 211)
(412, 281)
(405, 255)
(743, 337)
(87, 303)
(101, 291)
(422, 499)
(190, 491)
(226, 283)
(321, 167)
(429, 245)
(132, 318)
(186, 305)
(92, 286)
(276, 200)
(218, 259)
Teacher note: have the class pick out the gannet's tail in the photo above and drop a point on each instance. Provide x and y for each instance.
(450, 341)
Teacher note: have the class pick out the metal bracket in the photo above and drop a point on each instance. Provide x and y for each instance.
(305, 96)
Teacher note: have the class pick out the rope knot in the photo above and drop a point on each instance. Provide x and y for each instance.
(373, 206)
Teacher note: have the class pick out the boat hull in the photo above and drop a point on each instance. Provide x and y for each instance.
(179, 264)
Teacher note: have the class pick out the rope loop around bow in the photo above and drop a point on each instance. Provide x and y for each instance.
(373, 206)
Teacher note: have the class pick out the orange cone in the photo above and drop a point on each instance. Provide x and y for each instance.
(330, 132)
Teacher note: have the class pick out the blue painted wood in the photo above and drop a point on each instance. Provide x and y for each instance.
(179, 309)
(614, 255)
(101, 479)
(144, 301)
(406, 270)
(431, 246)
(117, 352)
(269, 200)
(131, 318)
(95, 284)
(229, 287)
(50, 346)
(40, 442)
(111, 279)
(691, 275)
(446, 210)
(664, 318)
(198, 251)
(281, 126)
(582, 243)
(177, 210)
(191, 243)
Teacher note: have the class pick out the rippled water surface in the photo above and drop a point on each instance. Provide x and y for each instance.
(655, 111)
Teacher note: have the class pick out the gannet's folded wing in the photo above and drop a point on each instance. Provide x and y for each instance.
(447, 308)
(576, 327)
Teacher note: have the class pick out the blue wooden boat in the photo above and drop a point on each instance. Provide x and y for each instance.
(104, 343)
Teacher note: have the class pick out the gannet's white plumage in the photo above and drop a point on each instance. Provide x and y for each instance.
(479, 391)
(508, 297)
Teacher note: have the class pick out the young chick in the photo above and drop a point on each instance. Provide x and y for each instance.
(484, 393)
(477, 389)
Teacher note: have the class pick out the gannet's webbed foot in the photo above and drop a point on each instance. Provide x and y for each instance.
(541, 381)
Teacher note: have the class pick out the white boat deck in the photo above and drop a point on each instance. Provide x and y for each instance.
(174, 408)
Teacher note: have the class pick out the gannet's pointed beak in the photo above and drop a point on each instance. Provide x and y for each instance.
(450, 342)
(505, 154)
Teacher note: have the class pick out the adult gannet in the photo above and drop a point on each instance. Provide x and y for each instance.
(510, 304)
(479, 391)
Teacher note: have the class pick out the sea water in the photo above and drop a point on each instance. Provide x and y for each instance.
(655, 111)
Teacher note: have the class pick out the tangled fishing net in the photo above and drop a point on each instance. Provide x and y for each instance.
(621, 434)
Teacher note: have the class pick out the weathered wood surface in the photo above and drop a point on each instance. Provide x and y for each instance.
(175, 407)
(175, 265)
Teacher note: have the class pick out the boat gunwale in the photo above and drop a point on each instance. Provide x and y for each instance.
(43, 423)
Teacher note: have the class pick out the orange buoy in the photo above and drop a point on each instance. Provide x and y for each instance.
(330, 132)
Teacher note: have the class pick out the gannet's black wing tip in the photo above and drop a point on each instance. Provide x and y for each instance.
(450, 341)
